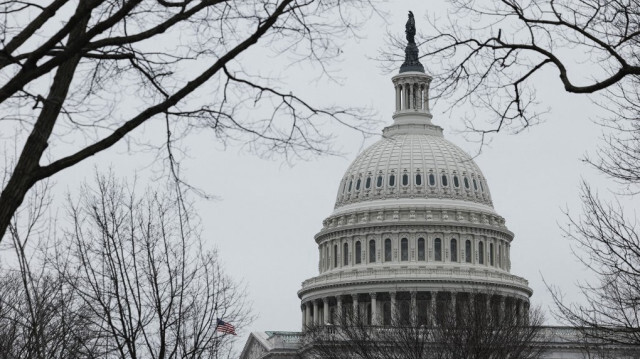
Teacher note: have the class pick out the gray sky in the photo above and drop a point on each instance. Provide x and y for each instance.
(269, 210)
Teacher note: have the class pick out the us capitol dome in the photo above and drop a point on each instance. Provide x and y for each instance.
(414, 231)
(413, 235)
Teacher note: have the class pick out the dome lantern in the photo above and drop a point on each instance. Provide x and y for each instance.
(411, 90)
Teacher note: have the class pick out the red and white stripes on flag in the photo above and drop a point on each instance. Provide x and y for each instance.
(225, 327)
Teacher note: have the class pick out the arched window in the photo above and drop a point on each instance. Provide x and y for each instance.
(387, 250)
(358, 184)
(466, 183)
(437, 249)
(456, 182)
(345, 254)
(392, 180)
(421, 251)
(432, 179)
(445, 182)
(418, 180)
(335, 255)
(481, 252)
(491, 253)
(379, 182)
(467, 251)
(372, 251)
(405, 179)
(350, 183)
(481, 186)
(367, 184)
(404, 249)
(358, 252)
(454, 250)
(475, 185)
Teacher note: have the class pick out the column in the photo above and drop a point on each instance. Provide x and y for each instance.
(414, 309)
(308, 316)
(339, 310)
(411, 98)
(394, 308)
(374, 309)
(433, 307)
(453, 306)
(501, 311)
(426, 96)
(398, 97)
(488, 304)
(303, 308)
(356, 307)
(316, 316)
(325, 310)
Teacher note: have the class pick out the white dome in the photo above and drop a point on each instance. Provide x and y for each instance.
(419, 164)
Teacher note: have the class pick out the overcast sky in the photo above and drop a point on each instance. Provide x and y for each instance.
(268, 211)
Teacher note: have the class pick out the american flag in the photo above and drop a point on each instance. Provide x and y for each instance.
(225, 327)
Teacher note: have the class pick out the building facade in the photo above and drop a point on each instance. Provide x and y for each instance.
(413, 234)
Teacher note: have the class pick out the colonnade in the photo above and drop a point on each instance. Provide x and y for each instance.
(411, 307)
(412, 95)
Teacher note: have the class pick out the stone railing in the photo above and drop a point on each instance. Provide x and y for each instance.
(413, 273)
(285, 340)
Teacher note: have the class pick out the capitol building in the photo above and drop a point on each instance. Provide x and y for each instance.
(413, 234)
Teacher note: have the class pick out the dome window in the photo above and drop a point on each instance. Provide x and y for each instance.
(475, 185)
(445, 181)
(437, 250)
(466, 183)
(379, 182)
(358, 184)
(467, 251)
(404, 249)
(432, 179)
(491, 254)
(481, 252)
(367, 183)
(405, 179)
(350, 183)
(421, 251)
(454, 250)
(387, 250)
(358, 252)
(456, 182)
(372, 251)
(392, 180)
(418, 180)
(481, 186)
(345, 254)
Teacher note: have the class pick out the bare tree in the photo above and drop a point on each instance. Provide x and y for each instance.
(39, 314)
(608, 243)
(91, 72)
(488, 53)
(130, 278)
(472, 332)
(139, 264)
(492, 52)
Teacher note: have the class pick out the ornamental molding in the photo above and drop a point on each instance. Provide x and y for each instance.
(421, 275)
(409, 215)
(367, 230)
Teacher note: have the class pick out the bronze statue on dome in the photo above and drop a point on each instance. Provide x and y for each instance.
(411, 59)
(410, 28)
